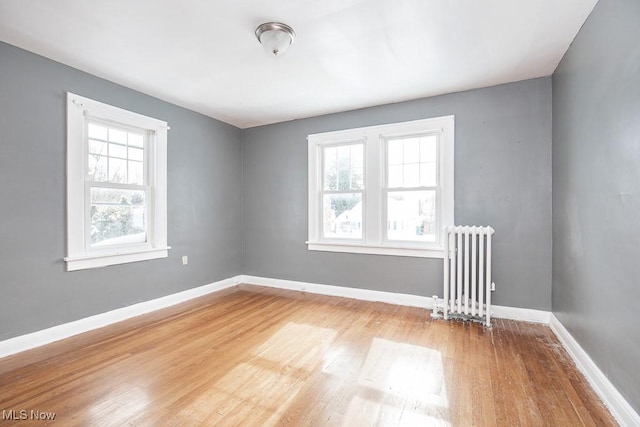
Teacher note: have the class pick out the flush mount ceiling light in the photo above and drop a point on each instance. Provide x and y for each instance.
(276, 37)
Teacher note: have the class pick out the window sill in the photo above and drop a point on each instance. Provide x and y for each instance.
(84, 262)
(375, 250)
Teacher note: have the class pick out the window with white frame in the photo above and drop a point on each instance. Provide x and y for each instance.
(116, 185)
(382, 189)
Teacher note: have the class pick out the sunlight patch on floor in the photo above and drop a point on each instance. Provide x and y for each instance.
(400, 384)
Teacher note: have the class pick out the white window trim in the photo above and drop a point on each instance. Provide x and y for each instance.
(374, 231)
(78, 256)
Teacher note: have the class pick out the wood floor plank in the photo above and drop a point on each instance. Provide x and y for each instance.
(255, 356)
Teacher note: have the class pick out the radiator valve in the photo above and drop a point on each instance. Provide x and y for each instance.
(437, 307)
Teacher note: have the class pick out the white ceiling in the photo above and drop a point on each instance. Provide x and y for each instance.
(203, 54)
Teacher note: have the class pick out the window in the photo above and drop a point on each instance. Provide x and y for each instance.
(116, 185)
(382, 189)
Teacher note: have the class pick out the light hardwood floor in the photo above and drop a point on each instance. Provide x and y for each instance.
(255, 356)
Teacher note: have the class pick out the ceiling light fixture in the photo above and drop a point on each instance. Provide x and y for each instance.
(276, 37)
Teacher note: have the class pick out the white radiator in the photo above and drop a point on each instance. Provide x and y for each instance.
(467, 273)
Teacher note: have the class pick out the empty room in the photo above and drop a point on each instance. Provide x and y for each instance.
(319, 213)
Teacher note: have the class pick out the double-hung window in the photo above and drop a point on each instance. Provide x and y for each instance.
(116, 185)
(382, 189)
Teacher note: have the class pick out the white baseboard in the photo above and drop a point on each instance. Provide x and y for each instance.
(66, 330)
(341, 291)
(515, 313)
(617, 404)
(522, 314)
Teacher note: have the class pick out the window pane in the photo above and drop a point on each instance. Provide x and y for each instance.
(428, 175)
(117, 217)
(117, 170)
(116, 150)
(411, 150)
(395, 176)
(411, 216)
(136, 154)
(342, 216)
(395, 151)
(344, 154)
(97, 168)
(428, 148)
(344, 167)
(411, 175)
(330, 168)
(357, 152)
(136, 140)
(356, 179)
(136, 170)
(97, 131)
(116, 135)
(97, 147)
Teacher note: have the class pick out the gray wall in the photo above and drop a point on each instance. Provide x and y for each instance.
(204, 171)
(502, 179)
(596, 192)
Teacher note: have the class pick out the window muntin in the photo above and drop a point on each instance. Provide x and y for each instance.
(116, 185)
(406, 195)
(342, 191)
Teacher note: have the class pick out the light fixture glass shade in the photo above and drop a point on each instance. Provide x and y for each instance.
(275, 36)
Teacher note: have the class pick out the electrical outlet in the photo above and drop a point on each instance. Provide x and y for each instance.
(185, 260)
